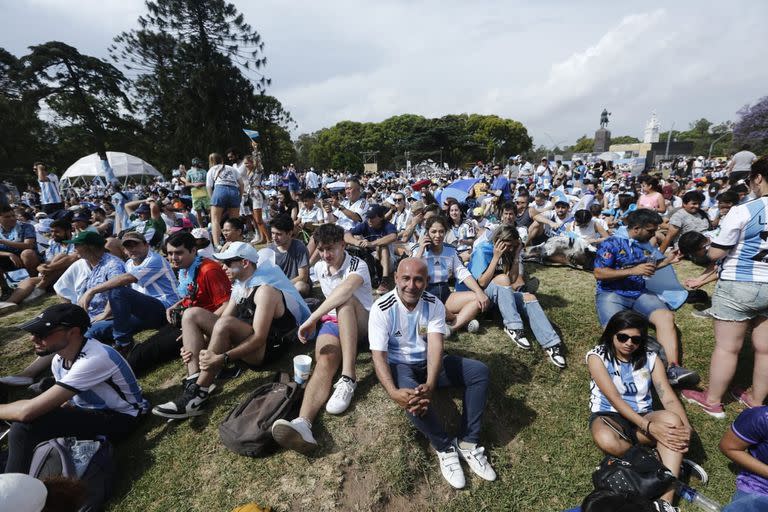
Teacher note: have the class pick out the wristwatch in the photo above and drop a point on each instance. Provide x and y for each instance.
(226, 358)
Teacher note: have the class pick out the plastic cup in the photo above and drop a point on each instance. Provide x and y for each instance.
(302, 366)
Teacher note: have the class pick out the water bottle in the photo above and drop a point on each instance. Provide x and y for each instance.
(697, 499)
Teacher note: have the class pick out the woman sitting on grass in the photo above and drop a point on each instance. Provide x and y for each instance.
(443, 264)
(623, 371)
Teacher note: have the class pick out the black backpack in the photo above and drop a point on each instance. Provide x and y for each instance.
(91, 462)
(638, 472)
(374, 267)
(247, 429)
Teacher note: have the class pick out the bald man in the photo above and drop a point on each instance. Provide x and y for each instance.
(405, 331)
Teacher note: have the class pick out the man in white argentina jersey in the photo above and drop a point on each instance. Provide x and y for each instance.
(138, 299)
(342, 319)
(96, 383)
(405, 330)
(50, 198)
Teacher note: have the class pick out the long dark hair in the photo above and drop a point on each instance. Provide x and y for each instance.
(626, 319)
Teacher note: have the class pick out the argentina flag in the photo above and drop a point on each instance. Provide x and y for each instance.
(252, 134)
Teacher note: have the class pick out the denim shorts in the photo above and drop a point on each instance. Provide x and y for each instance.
(226, 197)
(737, 301)
(610, 303)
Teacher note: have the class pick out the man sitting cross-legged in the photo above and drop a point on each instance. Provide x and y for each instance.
(406, 329)
(346, 284)
(254, 329)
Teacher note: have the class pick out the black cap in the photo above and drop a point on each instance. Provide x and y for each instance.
(375, 211)
(68, 315)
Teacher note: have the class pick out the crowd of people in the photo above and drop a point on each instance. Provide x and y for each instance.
(240, 265)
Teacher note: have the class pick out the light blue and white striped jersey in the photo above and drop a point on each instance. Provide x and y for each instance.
(634, 386)
(445, 265)
(49, 190)
(155, 278)
(55, 248)
(101, 379)
(402, 333)
(744, 232)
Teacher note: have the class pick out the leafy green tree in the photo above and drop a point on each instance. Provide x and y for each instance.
(624, 139)
(199, 67)
(583, 144)
(80, 89)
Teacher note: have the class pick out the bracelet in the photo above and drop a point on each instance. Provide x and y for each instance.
(648, 428)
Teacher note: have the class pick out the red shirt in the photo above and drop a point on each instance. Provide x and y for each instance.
(213, 287)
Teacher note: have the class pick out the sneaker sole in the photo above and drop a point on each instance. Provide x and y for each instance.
(335, 412)
(176, 415)
(741, 400)
(288, 438)
(716, 415)
(561, 366)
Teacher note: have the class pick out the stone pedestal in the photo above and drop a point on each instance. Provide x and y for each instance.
(602, 140)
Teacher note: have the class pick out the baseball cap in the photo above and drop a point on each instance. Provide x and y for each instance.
(197, 162)
(376, 210)
(478, 211)
(81, 218)
(237, 250)
(201, 233)
(69, 315)
(181, 224)
(144, 208)
(87, 237)
(22, 493)
(132, 236)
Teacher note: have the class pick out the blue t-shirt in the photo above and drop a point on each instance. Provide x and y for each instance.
(751, 426)
(366, 231)
(18, 233)
(618, 253)
(502, 183)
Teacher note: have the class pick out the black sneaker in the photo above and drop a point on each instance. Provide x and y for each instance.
(555, 354)
(682, 377)
(187, 405)
(229, 372)
(518, 336)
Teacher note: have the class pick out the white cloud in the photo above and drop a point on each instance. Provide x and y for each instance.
(552, 65)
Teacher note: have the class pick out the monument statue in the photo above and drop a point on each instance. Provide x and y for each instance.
(604, 118)
(652, 127)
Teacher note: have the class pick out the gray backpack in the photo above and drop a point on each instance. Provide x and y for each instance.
(247, 429)
(90, 461)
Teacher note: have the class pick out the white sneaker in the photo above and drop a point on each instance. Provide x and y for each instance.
(8, 307)
(341, 397)
(294, 435)
(477, 461)
(450, 467)
(36, 293)
(473, 326)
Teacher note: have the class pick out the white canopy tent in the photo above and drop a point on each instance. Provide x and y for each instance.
(123, 164)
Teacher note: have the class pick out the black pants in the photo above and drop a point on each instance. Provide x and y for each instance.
(158, 349)
(63, 422)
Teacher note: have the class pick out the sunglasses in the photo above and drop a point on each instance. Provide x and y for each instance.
(623, 338)
(228, 263)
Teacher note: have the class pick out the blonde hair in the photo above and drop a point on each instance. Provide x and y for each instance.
(215, 159)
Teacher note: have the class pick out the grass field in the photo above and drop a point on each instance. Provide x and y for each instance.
(371, 459)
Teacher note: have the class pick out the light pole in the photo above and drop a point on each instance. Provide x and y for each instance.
(715, 142)
(669, 138)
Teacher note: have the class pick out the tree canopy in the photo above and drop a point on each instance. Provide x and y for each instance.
(455, 139)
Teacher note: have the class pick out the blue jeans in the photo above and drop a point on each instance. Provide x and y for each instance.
(456, 371)
(610, 303)
(510, 303)
(132, 312)
(226, 197)
(747, 502)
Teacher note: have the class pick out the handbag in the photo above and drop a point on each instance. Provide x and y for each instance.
(639, 472)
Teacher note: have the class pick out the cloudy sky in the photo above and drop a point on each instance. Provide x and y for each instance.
(553, 65)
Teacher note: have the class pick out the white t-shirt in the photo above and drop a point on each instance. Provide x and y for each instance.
(402, 333)
(742, 161)
(359, 207)
(351, 265)
(155, 278)
(222, 175)
(102, 379)
(314, 216)
(72, 280)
